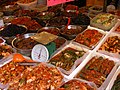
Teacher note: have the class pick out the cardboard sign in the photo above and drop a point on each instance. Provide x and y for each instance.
(55, 2)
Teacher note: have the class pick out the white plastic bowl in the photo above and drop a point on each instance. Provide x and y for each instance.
(27, 6)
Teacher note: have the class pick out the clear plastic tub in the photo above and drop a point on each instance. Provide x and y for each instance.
(90, 38)
(112, 81)
(73, 55)
(74, 83)
(110, 45)
(85, 64)
(104, 21)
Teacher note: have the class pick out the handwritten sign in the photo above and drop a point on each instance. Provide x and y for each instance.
(55, 2)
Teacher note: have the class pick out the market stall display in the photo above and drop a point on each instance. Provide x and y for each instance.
(64, 37)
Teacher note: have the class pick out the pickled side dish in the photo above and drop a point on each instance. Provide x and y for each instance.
(66, 59)
(96, 70)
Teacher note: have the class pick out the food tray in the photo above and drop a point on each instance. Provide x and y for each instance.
(84, 63)
(112, 81)
(104, 21)
(89, 38)
(116, 28)
(74, 83)
(38, 76)
(11, 69)
(114, 45)
(70, 52)
(6, 51)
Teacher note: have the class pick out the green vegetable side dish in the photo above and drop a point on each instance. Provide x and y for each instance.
(116, 85)
(105, 20)
(66, 58)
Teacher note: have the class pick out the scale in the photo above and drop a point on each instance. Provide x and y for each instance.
(40, 53)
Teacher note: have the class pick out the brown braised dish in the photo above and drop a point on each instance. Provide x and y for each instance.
(42, 77)
(10, 71)
(89, 38)
(112, 44)
(96, 70)
(5, 50)
(26, 43)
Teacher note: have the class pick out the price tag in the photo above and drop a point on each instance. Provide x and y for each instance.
(55, 2)
(1, 23)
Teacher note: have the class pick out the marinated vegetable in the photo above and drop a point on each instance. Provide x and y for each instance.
(66, 58)
(75, 85)
(116, 85)
(104, 21)
(96, 70)
(89, 38)
(42, 77)
(112, 44)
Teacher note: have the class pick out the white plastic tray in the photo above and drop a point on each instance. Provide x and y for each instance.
(89, 57)
(109, 87)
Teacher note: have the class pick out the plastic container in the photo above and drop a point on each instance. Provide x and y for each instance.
(96, 9)
(112, 81)
(110, 45)
(111, 69)
(2, 41)
(6, 51)
(89, 38)
(26, 6)
(71, 61)
(40, 80)
(77, 83)
(104, 21)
